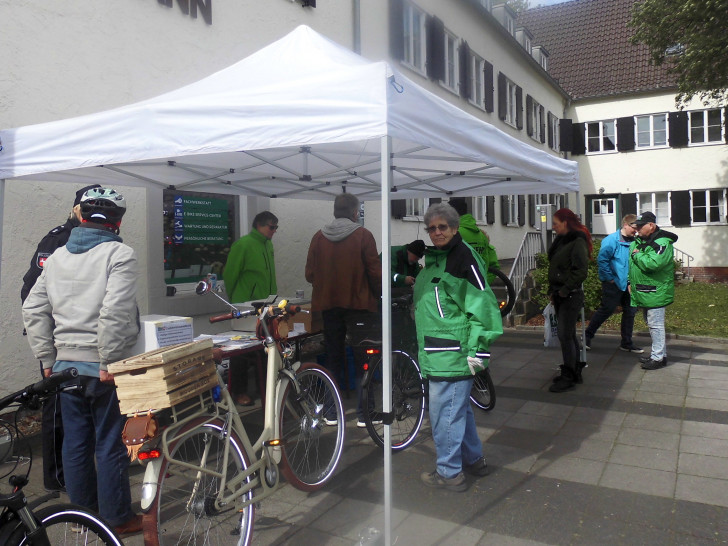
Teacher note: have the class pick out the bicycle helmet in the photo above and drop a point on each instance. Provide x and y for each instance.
(102, 206)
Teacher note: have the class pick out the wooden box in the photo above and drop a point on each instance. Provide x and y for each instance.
(164, 377)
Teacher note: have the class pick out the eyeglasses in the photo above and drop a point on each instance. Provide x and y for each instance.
(272, 227)
(440, 227)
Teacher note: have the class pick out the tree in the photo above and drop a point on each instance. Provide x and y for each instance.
(518, 6)
(691, 36)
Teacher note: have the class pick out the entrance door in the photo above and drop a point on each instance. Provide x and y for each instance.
(604, 215)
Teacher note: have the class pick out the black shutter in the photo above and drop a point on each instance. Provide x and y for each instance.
(725, 125)
(566, 135)
(396, 29)
(521, 210)
(488, 84)
(680, 207)
(490, 209)
(550, 129)
(399, 208)
(531, 210)
(529, 115)
(543, 126)
(434, 200)
(464, 70)
(519, 108)
(504, 210)
(579, 140)
(627, 204)
(678, 125)
(625, 134)
(435, 48)
(501, 96)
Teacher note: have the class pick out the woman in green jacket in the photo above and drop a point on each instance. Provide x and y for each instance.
(568, 262)
(457, 319)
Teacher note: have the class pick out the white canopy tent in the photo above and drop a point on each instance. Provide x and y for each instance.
(301, 118)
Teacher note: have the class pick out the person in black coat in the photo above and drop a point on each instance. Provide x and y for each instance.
(52, 424)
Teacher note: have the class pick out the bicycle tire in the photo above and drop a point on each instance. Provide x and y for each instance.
(67, 525)
(505, 289)
(311, 449)
(408, 401)
(182, 512)
(482, 393)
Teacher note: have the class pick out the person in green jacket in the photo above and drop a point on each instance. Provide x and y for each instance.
(652, 281)
(250, 270)
(475, 236)
(457, 319)
(405, 262)
(250, 274)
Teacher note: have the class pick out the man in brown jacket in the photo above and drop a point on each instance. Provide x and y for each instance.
(344, 268)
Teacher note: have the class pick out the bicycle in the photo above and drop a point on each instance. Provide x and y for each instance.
(53, 525)
(408, 388)
(203, 485)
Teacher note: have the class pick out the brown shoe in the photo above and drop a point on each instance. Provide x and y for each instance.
(243, 400)
(131, 527)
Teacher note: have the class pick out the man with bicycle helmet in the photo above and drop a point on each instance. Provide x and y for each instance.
(82, 314)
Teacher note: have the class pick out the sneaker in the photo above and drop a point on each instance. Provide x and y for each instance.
(331, 422)
(131, 527)
(655, 364)
(478, 469)
(587, 343)
(433, 479)
(644, 359)
(361, 424)
(632, 349)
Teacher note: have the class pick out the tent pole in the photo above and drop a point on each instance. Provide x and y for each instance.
(386, 164)
(583, 315)
(2, 218)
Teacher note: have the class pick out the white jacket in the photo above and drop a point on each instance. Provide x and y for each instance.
(83, 306)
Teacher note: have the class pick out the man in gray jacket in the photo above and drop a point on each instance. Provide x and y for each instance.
(82, 313)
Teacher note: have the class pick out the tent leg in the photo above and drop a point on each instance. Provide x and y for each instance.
(2, 218)
(386, 332)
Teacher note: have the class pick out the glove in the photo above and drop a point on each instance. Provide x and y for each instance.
(475, 364)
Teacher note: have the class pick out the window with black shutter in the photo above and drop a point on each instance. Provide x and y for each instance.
(435, 48)
(519, 108)
(625, 134)
(504, 209)
(521, 210)
(488, 86)
(566, 135)
(465, 70)
(579, 139)
(542, 121)
(550, 129)
(490, 209)
(628, 203)
(680, 207)
(531, 210)
(396, 29)
(399, 208)
(678, 123)
(529, 115)
(502, 97)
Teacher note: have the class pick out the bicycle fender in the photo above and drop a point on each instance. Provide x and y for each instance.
(276, 453)
(149, 484)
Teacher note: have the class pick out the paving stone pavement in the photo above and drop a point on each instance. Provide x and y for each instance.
(629, 457)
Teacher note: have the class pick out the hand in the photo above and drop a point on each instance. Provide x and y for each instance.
(475, 364)
(106, 377)
(47, 372)
(409, 281)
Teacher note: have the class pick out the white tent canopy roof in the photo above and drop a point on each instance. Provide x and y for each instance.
(300, 118)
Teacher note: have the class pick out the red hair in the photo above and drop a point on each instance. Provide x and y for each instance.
(574, 224)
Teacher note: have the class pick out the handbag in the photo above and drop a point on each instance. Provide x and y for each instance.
(550, 327)
(137, 430)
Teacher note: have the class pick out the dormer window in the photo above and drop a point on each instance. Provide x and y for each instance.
(524, 38)
(541, 55)
(506, 17)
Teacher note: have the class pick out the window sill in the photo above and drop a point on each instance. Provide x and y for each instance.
(446, 87)
(413, 68)
(700, 144)
(477, 105)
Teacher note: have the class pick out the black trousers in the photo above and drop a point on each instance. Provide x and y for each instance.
(567, 314)
(52, 442)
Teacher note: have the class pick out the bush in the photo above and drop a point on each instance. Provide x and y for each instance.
(592, 284)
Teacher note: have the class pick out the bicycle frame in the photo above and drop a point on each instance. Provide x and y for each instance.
(278, 376)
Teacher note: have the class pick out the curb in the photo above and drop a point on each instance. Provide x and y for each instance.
(682, 337)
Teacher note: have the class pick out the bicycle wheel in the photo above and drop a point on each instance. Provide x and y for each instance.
(408, 401)
(67, 524)
(504, 291)
(311, 448)
(184, 511)
(482, 394)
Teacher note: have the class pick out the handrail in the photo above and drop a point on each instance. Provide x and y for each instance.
(524, 262)
(683, 257)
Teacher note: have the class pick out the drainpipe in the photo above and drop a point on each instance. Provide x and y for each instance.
(357, 26)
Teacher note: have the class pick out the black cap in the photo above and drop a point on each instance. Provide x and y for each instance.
(645, 218)
(80, 193)
(417, 247)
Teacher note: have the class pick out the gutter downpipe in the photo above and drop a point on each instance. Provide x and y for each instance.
(357, 26)
(2, 217)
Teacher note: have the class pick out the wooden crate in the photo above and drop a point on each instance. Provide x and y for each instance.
(164, 377)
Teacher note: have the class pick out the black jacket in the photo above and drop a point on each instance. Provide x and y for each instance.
(568, 262)
(55, 239)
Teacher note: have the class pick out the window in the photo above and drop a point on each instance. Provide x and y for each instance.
(414, 37)
(198, 232)
(511, 110)
(600, 136)
(477, 66)
(416, 208)
(536, 114)
(651, 131)
(708, 206)
(657, 203)
(553, 129)
(511, 212)
(451, 62)
(603, 206)
(706, 126)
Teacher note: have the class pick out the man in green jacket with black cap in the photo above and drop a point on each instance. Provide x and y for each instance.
(652, 281)
(474, 236)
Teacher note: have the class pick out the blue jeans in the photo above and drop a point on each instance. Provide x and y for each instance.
(567, 314)
(453, 426)
(92, 426)
(655, 319)
(612, 296)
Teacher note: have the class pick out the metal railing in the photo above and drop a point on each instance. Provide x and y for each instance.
(524, 262)
(684, 258)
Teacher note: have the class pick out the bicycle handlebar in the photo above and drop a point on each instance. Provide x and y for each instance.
(41, 388)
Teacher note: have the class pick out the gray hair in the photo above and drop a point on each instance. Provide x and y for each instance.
(345, 205)
(444, 211)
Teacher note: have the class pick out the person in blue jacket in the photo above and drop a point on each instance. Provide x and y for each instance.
(613, 262)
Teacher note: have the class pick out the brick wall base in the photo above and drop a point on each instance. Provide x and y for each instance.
(708, 274)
